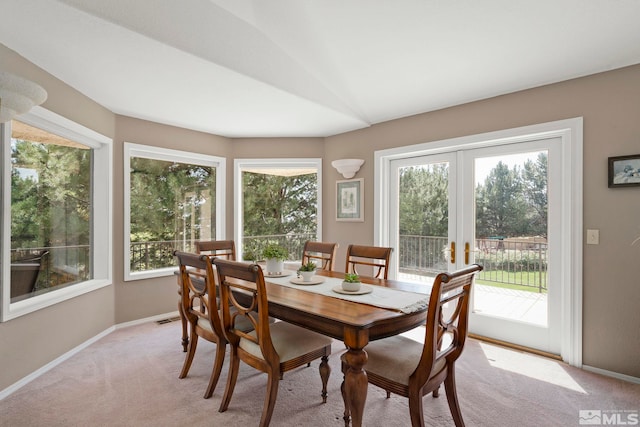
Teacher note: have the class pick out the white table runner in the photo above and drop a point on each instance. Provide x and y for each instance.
(394, 299)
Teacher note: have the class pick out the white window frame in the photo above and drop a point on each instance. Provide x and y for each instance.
(101, 204)
(166, 154)
(240, 165)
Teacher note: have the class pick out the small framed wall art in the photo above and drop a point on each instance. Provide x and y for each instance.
(624, 171)
(350, 200)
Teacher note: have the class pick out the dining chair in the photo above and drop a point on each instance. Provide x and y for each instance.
(320, 252)
(217, 248)
(199, 304)
(272, 348)
(375, 257)
(212, 248)
(412, 369)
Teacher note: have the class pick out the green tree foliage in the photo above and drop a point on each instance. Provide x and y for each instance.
(534, 178)
(167, 199)
(510, 202)
(424, 208)
(279, 204)
(50, 195)
(513, 202)
(500, 204)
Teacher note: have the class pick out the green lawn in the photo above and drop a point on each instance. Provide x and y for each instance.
(512, 280)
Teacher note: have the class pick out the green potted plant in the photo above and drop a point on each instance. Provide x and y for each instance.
(275, 255)
(307, 271)
(351, 282)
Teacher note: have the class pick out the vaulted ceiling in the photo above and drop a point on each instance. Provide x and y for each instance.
(257, 68)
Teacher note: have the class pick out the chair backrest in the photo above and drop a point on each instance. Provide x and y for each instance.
(446, 333)
(217, 248)
(197, 280)
(321, 253)
(248, 279)
(375, 257)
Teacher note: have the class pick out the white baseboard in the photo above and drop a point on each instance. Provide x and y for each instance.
(147, 320)
(44, 369)
(612, 374)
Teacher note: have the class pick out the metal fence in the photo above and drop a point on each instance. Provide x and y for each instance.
(514, 261)
(521, 262)
(294, 243)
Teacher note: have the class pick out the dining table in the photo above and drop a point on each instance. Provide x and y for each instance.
(354, 319)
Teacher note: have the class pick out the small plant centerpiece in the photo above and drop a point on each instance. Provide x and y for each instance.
(351, 282)
(307, 271)
(275, 255)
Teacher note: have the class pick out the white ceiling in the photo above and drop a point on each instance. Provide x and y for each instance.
(257, 68)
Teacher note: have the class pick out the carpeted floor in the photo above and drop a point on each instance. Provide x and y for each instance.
(130, 378)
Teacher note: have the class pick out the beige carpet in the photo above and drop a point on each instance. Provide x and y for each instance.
(130, 378)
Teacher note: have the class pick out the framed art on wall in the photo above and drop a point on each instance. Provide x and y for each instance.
(624, 171)
(350, 200)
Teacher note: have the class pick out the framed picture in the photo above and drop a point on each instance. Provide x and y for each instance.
(624, 171)
(350, 200)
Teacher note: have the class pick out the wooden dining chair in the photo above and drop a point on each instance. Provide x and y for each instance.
(212, 248)
(321, 253)
(199, 304)
(412, 369)
(374, 257)
(217, 248)
(271, 348)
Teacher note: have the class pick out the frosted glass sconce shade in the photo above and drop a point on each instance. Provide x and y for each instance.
(347, 167)
(18, 95)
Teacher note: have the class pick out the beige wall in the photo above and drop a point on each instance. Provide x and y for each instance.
(608, 102)
(149, 297)
(29, 342)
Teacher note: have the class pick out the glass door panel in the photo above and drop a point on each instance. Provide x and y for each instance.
(425, 217)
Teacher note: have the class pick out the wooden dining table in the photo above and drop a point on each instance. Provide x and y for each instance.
(351, 322)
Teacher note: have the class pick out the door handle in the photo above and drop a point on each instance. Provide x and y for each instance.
(466, 253)
(453, 252)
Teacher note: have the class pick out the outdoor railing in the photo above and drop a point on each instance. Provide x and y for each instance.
(521, 262)
(294, 243)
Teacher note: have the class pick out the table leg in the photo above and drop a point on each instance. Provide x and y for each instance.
(354, 386)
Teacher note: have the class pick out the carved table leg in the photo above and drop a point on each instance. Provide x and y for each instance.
(354, 386)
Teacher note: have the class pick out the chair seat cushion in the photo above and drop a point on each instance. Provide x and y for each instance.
(396, 358)
(290, 341)
(242, 323)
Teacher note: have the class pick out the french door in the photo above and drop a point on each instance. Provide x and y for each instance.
(498, 206)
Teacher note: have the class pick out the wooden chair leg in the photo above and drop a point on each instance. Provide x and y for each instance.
(234, 367)
(221, 348)
(183, 319)
(325, 371)
(191, 351)
(270, 398)
(452, 397)
(415, 410)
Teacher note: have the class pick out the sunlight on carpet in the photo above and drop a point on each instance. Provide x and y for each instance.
(529, 365)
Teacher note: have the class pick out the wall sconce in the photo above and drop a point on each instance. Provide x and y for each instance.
(18, 95)
(347, 167)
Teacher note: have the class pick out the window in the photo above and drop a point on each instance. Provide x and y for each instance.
(173, 199)
(277, 201)
(56, 185)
